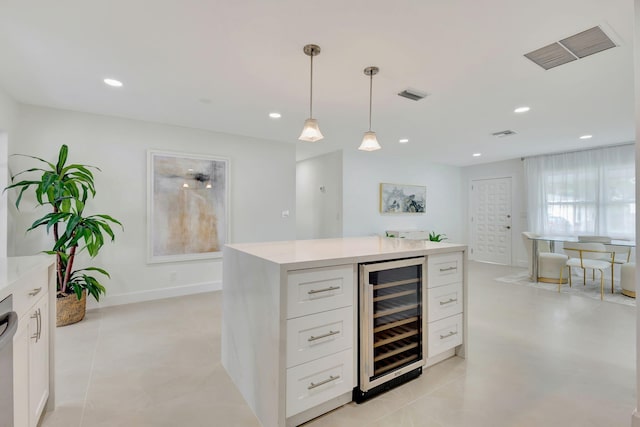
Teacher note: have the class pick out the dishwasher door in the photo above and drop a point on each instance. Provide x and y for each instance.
(8, 326)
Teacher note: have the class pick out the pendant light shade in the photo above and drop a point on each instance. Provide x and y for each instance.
(311, 131)
(370, 142)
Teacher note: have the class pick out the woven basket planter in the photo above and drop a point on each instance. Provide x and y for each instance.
(70, 309)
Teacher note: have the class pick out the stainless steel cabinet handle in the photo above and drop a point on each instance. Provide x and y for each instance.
(330, 288)
(328, 334)
(35, 335)
(448, 302)
(39, 325)
(38, 316)
(35, 292)
(328, 380)
(447, 269)
(450, 334)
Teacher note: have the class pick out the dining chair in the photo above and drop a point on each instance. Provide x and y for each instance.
(593, 256)
(550, 264)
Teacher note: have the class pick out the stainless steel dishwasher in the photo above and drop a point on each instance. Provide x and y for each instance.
(8, 326)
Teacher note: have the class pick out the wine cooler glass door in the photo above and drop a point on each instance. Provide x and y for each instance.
(392, 323)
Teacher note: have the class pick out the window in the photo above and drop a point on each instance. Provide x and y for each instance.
(586, 192)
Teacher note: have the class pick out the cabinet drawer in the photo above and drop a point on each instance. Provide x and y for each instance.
(443, 269)
(444, 301)
(318, 335)
(316, 382)
(444, 334)
(32, 287)
(319, 289)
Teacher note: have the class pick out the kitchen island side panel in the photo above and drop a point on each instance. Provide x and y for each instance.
(252, 345)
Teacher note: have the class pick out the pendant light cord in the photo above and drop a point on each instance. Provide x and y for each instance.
(311, 90)
(370, 96)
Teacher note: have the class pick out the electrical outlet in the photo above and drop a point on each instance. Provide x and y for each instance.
(285, 214)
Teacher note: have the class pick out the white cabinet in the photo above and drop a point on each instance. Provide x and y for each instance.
(445, 305)
(31, 352)
(320, 337)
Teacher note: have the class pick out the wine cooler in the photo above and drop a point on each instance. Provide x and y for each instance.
(392, 332)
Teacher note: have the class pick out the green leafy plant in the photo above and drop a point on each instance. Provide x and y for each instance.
(66, 189)
(437, 237)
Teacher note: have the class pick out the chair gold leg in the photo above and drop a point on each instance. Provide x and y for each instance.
(560, 282)
(612, 279)
(569, 276)
(584, 277)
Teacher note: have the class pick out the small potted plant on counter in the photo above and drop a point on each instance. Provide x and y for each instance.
(437, 237)
(66, 189)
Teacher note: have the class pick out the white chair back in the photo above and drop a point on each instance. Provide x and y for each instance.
(591, 250)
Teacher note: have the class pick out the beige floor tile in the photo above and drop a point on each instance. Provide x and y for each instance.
(536, 358)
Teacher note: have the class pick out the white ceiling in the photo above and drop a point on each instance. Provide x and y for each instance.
(244, 59)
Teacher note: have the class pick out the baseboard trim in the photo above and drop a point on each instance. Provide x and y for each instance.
(154, 294)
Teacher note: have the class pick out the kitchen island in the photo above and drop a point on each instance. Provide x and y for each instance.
(290, 318)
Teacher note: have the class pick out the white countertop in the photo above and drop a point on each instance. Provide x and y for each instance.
(300, 251)
(13, 268)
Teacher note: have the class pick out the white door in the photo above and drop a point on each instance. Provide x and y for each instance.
(491, 220)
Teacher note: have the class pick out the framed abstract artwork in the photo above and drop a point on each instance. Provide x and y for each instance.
(187, 206)
(402, 199)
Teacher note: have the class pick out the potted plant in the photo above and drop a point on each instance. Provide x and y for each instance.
(437, 237)
(66, 188)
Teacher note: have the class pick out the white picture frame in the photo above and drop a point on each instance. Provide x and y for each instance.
(187, 206)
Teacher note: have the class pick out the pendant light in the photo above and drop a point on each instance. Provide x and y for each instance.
(370, 142)
(311, 131)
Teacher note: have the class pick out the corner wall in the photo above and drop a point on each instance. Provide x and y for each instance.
(364, 171)
(319, 197)
(262, 185)
(7, 122)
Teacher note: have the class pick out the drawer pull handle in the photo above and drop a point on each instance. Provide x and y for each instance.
(450, 334)
(448, 302)
(35, 292)
(330, 288)
(328, 334)
(328, 380)
(442, 270)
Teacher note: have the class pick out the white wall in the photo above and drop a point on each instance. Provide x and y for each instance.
(319, 197)
(7, 120)
(508, 168)
(363, 173)
(262, 183)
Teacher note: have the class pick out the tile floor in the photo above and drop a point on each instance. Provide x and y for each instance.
(536, 358)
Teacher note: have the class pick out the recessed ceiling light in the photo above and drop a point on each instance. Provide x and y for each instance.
(403, 141)
(586, 137)
(113, 82)
(275, 115)
(521, 110)
(477, 154)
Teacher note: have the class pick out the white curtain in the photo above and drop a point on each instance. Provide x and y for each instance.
(589, 192)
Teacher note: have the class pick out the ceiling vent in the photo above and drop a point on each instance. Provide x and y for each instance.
(503, 133)
(578, 46)
(412, 94)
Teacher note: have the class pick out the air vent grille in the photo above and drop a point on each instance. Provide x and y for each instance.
(412, 94)
(588, 42)
(551, 56)
(578, 46)
(504, 133)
